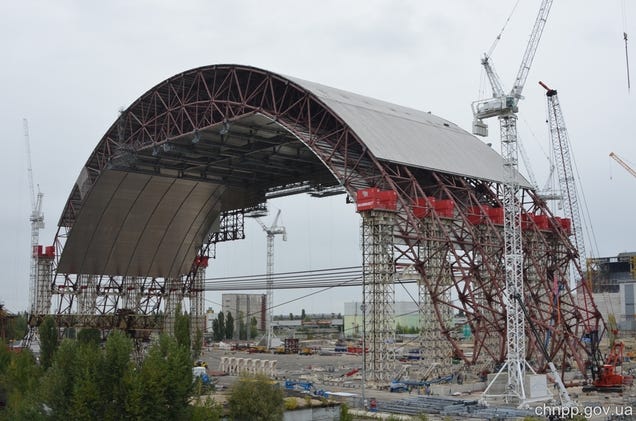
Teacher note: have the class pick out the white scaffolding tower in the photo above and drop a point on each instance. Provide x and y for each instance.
(378, 295)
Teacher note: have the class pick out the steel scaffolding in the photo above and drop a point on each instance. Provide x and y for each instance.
(379, 294)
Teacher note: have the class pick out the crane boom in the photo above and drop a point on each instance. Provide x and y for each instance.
(563, 162)
(531, 49)
(25, 124)
(501, 104)
(37, 222)
(622, 163)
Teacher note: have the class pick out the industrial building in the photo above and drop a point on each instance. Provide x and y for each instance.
(246, 306)
(613, 281)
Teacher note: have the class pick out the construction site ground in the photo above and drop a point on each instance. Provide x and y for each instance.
(329, 373)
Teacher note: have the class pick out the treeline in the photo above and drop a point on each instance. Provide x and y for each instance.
(88, 379)
(223, 327)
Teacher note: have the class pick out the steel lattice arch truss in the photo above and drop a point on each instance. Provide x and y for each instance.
(180, 166)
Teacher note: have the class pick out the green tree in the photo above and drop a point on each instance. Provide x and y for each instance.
(253, 328)
(197, 344)
(48, 341)
(114, 366)
(215, 330)
(182, 328)
(87, 400)
(303, 316)
(344, 413)
(19, 381)
(162, 386)
(229, 326)
(256, 398)
(18, 326)
(242, 328)
(89, 336)
(220, 334)
(56, 386)
(207, 410)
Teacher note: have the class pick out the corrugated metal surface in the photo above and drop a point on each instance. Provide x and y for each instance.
(140, 225)
(407, 136)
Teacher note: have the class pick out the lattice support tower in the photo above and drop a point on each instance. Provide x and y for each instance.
(44, 271)
(487, 255)
(197, 298)
(435, 349)
(43, 283)
(86, 296)
(378, 294)
(173, 297)
(131, 293)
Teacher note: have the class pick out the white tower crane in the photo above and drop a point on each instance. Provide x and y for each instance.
(505, 107)
(271, 232)
(37, 223)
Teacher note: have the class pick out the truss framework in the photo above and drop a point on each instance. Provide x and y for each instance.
(470, 245)
(378, 292)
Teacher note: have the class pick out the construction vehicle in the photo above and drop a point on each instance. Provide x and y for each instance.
(607, 376)
(306, 351)
(304, 386)
(258, 349)
(399, 385)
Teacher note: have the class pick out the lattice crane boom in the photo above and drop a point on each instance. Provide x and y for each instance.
(501, 104)
(622, 163)
(563, 162)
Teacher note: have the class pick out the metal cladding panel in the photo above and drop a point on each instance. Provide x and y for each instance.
(140, 225)
(411, 137)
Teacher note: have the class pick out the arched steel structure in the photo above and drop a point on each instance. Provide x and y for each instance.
(202, 146)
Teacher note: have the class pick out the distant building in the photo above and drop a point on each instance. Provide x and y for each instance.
(246, 306)
(613, 282)
(210, 316)
(606, 273)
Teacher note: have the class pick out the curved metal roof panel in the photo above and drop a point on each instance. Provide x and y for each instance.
(407, 136)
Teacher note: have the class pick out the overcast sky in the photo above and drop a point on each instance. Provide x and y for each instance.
(68, 66)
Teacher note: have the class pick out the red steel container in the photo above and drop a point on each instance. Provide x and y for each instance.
(374, 198)
(496, 215)
(445, 208)
(541, 221)
(421, 208)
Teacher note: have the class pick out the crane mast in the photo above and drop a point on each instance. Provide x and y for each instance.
(505, 108)
(37, 223)
(271, 232)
